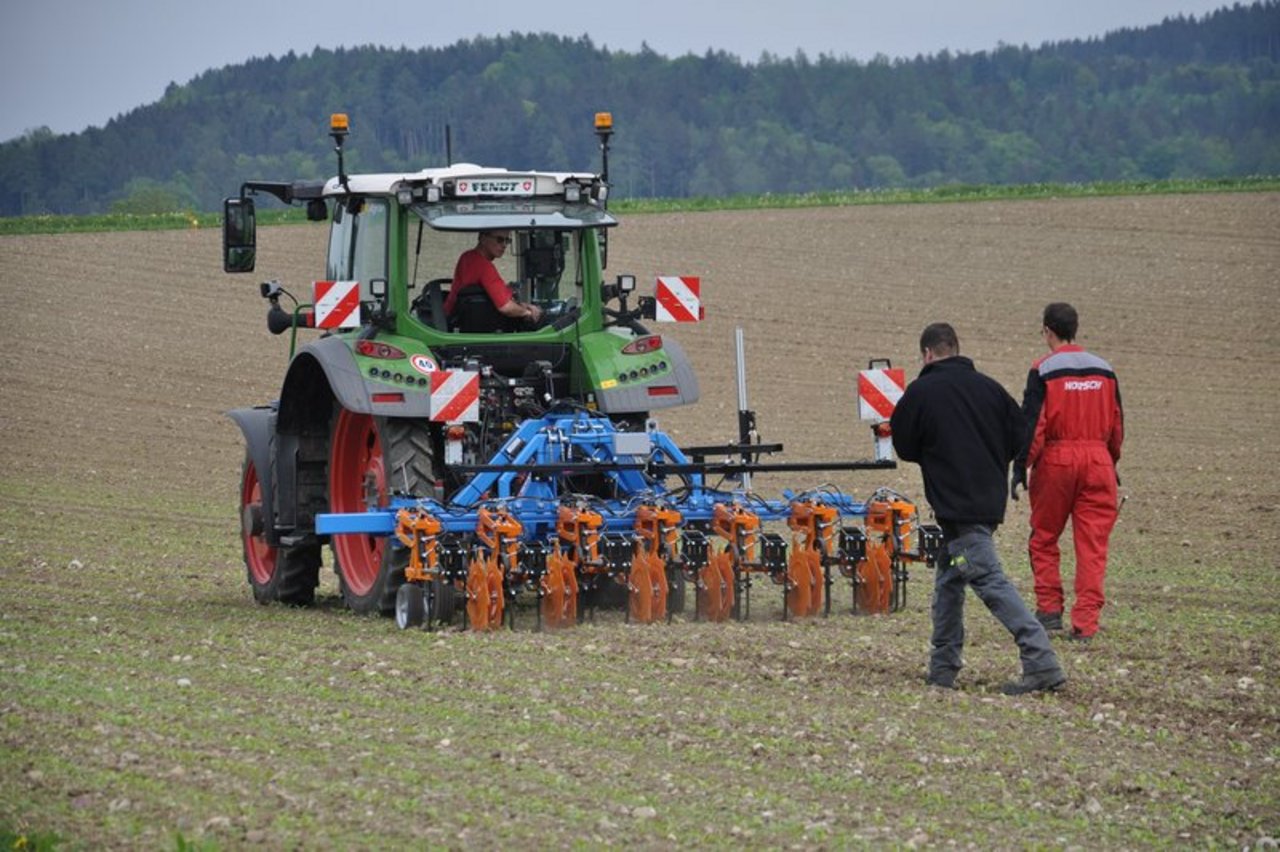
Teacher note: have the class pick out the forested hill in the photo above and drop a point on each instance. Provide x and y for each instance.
(1188, 97)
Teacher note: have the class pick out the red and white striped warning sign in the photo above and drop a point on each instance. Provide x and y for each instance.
(678, 299)
(337, 304)
(879, 391)
(455, 396)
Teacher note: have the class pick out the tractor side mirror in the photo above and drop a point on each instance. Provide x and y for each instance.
(239, 235)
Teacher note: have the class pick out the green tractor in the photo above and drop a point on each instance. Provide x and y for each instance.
(369, 409)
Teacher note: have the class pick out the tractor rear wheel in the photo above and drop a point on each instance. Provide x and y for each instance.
(369, 458)
(285, 574)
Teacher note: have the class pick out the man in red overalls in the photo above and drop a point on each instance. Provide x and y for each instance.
(1075, 428)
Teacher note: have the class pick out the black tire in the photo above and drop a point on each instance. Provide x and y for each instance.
(675, 592)
(370, 570)
(288, 575)
(444, 602)
(411, 606)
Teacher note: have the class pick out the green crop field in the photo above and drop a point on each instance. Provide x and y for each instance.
(963, 192)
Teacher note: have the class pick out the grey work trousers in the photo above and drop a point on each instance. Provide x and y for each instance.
(972, 561)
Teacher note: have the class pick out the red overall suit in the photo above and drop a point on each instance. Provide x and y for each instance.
(1072, 402)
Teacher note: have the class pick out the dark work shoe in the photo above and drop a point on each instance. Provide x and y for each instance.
(1046, 681)
(945, 680)
(1049, 620)
(1077, 636)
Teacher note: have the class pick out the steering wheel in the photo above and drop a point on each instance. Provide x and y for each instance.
(560, 313)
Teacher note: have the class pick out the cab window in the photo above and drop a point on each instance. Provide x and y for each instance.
(542, 266)
(550, 271)
(358, 243)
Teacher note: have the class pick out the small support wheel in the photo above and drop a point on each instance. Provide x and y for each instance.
(411, 606)
(442, 600)
(675, 590)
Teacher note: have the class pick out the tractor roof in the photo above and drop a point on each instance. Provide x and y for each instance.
(486, 179)
(468, 197)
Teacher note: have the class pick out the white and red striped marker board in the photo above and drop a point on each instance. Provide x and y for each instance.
(337, 304)
(455, 396)
(879, 391)
(678, 299)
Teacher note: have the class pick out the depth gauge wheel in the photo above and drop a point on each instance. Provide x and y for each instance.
(369, 459)
(411, 606)
(285, 574)
(443, 602)
(675, 593)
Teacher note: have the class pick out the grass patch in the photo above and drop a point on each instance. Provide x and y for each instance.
(951, 192)
(147, 698)
(49, 224)
(28, 841)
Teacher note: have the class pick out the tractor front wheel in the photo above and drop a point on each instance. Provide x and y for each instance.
(370, 457)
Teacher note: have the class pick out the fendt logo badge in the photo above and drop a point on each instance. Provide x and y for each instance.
(1078, 385)
(518, 187)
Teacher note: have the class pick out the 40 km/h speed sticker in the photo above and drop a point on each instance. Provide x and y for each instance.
(424, 364)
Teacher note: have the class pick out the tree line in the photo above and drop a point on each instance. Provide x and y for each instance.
(1186, 98)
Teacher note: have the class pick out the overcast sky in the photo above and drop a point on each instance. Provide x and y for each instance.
(72, 64)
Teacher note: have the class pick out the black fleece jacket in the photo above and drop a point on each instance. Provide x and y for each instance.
(963, 429)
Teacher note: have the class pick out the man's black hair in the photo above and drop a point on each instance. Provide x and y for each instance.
(1062, 320)
(940, 339)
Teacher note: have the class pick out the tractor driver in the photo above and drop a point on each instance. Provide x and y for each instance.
(480, 300)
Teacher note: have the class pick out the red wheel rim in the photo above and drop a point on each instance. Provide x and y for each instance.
(258, 555)
(357, 482)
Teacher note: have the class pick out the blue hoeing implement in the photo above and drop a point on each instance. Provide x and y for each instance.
(517, 526)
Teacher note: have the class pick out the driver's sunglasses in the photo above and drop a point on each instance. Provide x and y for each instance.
(496, 238)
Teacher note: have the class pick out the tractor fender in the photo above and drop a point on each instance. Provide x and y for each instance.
(324, 371)
(632, 398)
(258, 425)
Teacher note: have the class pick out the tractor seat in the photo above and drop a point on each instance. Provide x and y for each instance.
(429, 305)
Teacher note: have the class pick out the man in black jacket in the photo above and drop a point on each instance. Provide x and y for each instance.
(963, 429)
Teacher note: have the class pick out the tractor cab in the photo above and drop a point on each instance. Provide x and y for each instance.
(541, 230)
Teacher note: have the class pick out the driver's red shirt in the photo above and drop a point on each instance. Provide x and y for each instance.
(474, 269)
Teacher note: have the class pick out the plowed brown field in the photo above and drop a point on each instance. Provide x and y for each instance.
(143, 693)
(126, 348)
